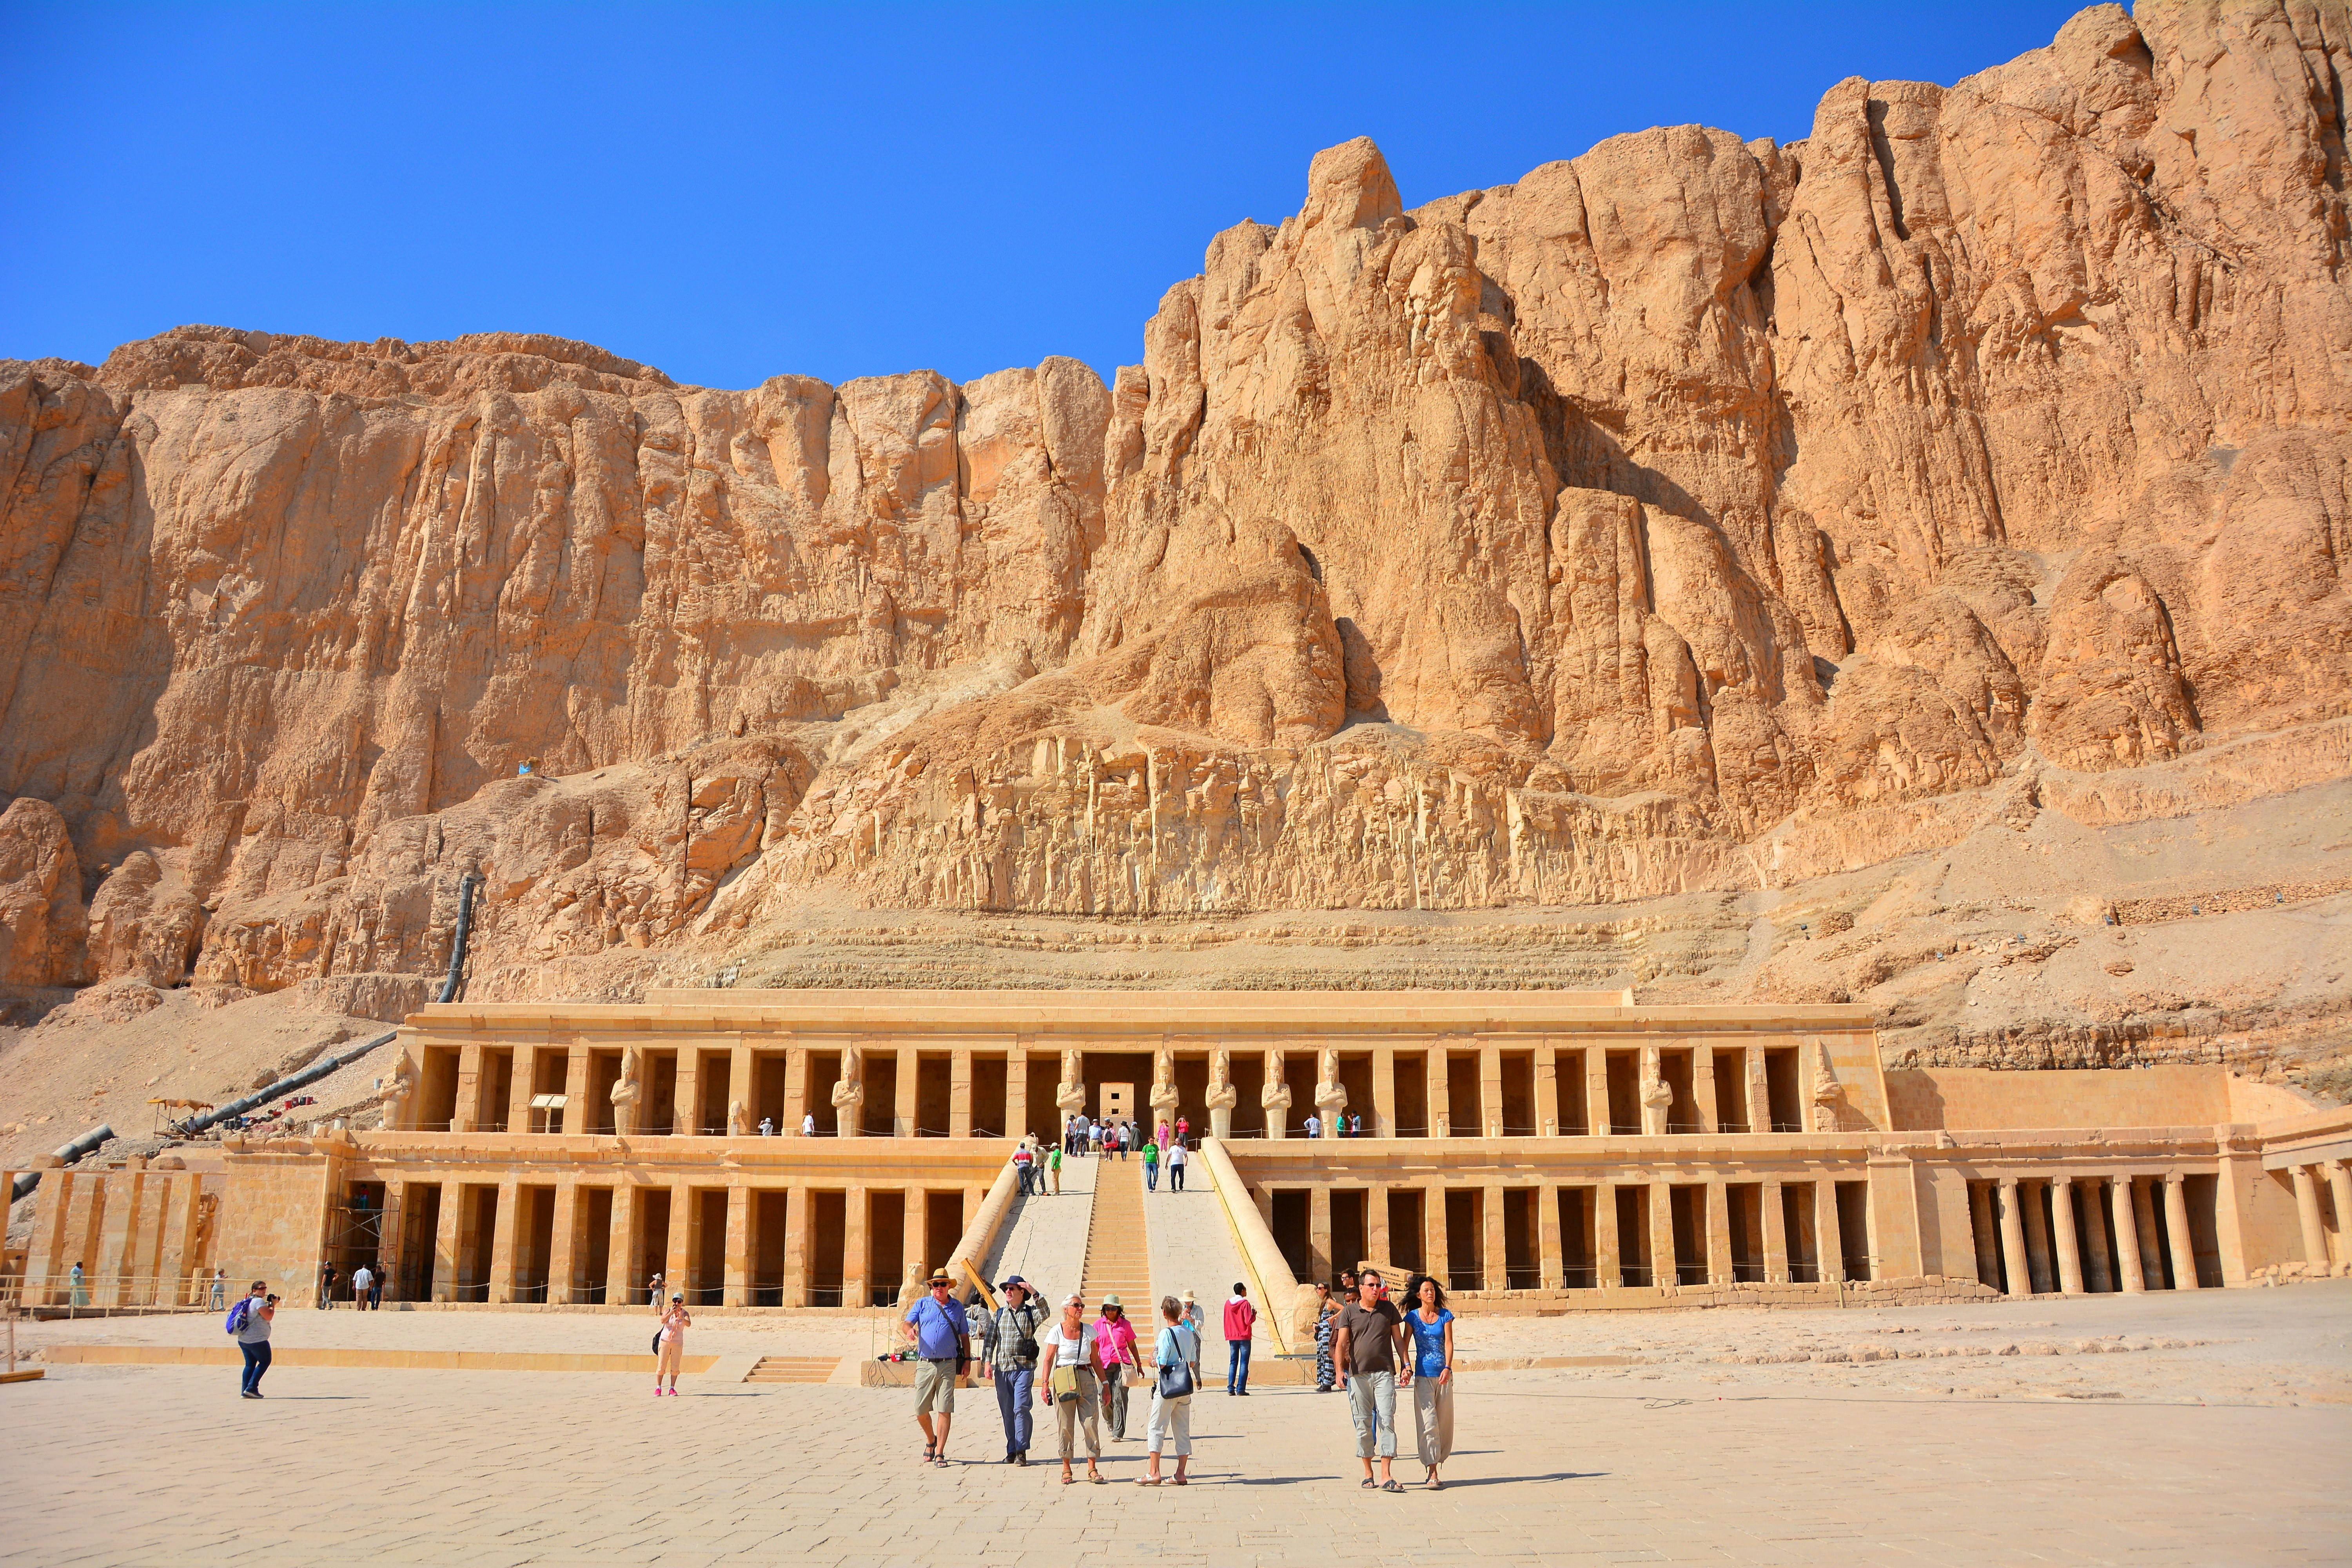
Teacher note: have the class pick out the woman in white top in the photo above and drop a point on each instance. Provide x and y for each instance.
(674, 1325)
(1073, 1377)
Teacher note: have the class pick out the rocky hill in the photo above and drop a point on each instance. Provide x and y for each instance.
(1907, 563)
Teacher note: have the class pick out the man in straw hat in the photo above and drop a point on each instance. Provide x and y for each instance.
(936, 1328)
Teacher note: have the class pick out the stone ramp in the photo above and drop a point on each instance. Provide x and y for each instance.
(1118, 1257)
(1044, 1241)
(1192, 1248)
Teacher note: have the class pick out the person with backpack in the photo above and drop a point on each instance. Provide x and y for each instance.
(1176, 1374)
(936, 1328)
(249, 1325)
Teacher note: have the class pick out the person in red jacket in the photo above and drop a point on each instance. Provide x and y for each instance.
(1240, 1322)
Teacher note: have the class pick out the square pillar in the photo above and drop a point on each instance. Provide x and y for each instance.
(577, 1077)
(1826, 1230)
(1718, 1229)
(958, 1094)
(1383, 1105)
(679, 1248)
(796, 1099)
(1016, 1093)
(1754, 1085)
(1376, 1222)
(1319, 1232)
(1552, 1264)
(1775, 1235)
(857, 1247)
(1703, 1092)
(182, 1217)
(1437, 1257)
(912, 1253)
(620, 1284)
(798, 1239)
(1497, 1270)
(44, 1260)
(2151, 1247)
(467, 1116)
(1662, 1269)
(564, 1245)
(904, 1113)
(1490, 1090)
(1440, 1115)
(1546, 1092)
(686, 1105)
(735, 1279)
(1596, 1095)
(117, 1262)
(503, 1242)
(743, 1086)
(446, 1237)
(519, 1087)
(1608, 1261)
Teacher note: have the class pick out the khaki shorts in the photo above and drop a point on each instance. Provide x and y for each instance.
(934, 1383)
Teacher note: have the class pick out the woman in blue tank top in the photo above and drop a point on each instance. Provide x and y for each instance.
(1433, 1377)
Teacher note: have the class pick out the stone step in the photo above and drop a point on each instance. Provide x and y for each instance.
(793, 1369)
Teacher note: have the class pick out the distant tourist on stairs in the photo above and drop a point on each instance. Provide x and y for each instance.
(1314, 1128)
(1053, 1168)
(1177, 1160)
(1159, 1134)
(1240, 1322)
(1183, 1129)
(1024, 1168)
(1152, 1167)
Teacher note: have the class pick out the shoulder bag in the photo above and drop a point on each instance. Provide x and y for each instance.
(1176, 1376)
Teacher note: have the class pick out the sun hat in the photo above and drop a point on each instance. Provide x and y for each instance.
(1113, 1302)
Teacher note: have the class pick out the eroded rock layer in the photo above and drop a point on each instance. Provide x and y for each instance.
(1691, 517)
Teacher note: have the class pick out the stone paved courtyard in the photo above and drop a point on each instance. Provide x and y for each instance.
(2228, 1448)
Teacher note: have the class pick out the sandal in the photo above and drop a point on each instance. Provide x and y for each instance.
(940, 1461)
(931, 1452)
(1180, 1482)
(1391, 1485)
(1098, 1477)
(1146, 1480)
(1068, 1478)
(1368, 1484)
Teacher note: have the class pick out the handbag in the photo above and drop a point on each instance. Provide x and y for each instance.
(1063, 1381)
(1175, 1377)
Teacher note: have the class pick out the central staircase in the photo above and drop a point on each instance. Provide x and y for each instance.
(1118, 1251)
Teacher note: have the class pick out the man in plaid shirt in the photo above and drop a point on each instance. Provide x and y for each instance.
(1008, 1339)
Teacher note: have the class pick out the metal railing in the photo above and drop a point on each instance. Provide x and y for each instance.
(1634, 1274)
(1523, 1277)
(146, 1292)
(1581, 1277)
(1690, 1274)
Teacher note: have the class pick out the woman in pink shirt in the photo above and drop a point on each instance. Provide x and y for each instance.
(1116, 1337)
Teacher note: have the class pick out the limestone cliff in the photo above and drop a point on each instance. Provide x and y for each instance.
(1691, 517)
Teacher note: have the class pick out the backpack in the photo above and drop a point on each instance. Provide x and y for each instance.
(236, 1314)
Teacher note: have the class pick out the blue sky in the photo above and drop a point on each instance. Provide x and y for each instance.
(734, 192)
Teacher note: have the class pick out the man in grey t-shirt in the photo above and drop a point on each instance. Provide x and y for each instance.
(1370, 1347)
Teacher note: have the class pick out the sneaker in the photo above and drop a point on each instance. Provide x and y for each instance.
(248, 1393)
(1022, 1460)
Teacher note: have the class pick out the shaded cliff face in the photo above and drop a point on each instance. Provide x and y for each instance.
(1691, 516)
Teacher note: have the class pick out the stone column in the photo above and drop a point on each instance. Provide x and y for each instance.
(2340, 1187)
(1496, 1271)
(1546, 1092)
(117, 1245)
(2306, 1206)
(1663, 1262)
(1703, 1088)
(857, 1247)
(502, 1241)
(1775, 1235)
(735, 1281)
(1755, 1086)
(183, 1214)
(446, 1237)
(2094, 1235)
(1984, 1231)
(1551, 1260)
(1490, 1090)
(2037, 1239)
(2016, 1272)
(519, 1087)
(1319, 1232)
(2176, 1224)
(2152, 1245)
(799, 1239)
(1441, 1114)
(45, 1260)
(678, 1260)
(915, 1207)
(1719, 1270)
(1825, 1231)
(578, 1078)
(686, 1106)
(903, 1114)
(1376, 1223)
(1016, 1094)
(1596, 1095)
(467, 1116)
(959, 1093)
(2126, 1236)
(1608, 1262)
(564, 1246)
(620, 1253)
(1435, 1247)
(796, 1088)
(1385, 1117)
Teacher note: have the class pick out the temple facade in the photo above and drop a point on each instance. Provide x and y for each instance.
(1540, 1150)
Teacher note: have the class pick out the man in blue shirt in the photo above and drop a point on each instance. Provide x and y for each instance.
(936, 1328)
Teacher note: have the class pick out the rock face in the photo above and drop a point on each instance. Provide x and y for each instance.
(1692, 515)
